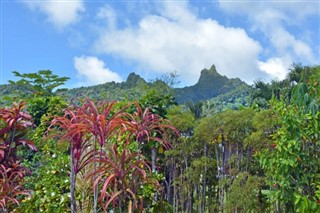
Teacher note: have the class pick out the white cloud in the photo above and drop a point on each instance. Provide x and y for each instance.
(59, 13)
(93, 71)
(177, 11)
(298, 9)
(107, 13)
(286, 43)
(274, 19)
(176, 40)
(277, 68)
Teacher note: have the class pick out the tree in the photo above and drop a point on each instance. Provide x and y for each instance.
(43, 82)
(39, 92)
(171, 79)
(244, 194)
(292, 167)
(195, 108)
(157, 101)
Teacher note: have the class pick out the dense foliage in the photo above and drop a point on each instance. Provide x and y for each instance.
(244, 151)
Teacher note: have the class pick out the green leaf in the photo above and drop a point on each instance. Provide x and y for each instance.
(268, 193)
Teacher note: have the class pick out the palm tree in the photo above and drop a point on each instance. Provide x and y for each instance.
(195, 108)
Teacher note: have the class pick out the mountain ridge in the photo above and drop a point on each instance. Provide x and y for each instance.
(210, 84)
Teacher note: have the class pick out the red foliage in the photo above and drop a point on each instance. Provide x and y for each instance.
(11, 186)
(146, 126)
(120, 175)
(97, 123)
(83, 123)
(14, 124)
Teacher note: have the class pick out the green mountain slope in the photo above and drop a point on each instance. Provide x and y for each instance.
(234, 99)
(131, 89)
(8, 93)
(211, 84)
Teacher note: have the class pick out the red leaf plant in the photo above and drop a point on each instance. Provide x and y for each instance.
(95, 125)
(69, 123)
(146, 126)
(11, 187)
(120, 175)
(14, 126)
(85, 126)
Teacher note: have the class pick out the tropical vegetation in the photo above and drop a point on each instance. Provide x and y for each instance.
(156, 148)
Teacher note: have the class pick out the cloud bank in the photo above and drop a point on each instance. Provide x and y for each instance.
(274, 19)
(171, 36)
(92, 71)
(176, 40)
(59, 13)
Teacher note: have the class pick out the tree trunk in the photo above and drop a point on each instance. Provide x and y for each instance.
(197, 191)
(174, 191)
(169, 184)
(221, 196)
(191, 198)
(72, 182)
(129, 207)
(204, 181)
(182, 190)
(95, 189)
(154, 158)
(224, 157)
(210, 199)
(218, 160)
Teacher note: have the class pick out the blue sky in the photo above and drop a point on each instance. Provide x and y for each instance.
(93, 42)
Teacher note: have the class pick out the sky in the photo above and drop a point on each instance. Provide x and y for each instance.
(95, 41)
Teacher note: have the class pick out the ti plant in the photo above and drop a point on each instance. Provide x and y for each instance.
(101, 135)
(121, 175)
(86, 126)
(14, 125)
(146, 126)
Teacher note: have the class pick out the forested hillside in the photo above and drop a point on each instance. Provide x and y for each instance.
(210, 85)
(231, 149)
(133, 88)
